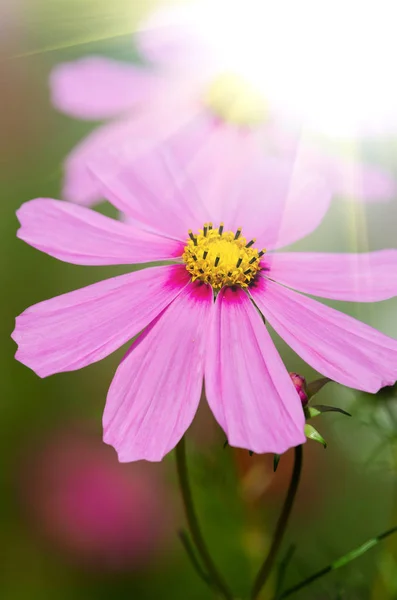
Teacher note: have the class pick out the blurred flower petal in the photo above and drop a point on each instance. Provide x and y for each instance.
(348, 177)
(276, 206)
(98, 88)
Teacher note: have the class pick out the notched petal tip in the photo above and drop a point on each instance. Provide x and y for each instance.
(127, 455)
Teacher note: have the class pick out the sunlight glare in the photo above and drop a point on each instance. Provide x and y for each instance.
(330, 63)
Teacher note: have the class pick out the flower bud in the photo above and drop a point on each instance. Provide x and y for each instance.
(300, 386)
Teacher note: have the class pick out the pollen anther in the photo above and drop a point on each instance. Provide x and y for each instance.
(190, 232)
(221, 258)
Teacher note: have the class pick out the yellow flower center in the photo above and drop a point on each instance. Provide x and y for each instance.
(221, 258)
(236, 100)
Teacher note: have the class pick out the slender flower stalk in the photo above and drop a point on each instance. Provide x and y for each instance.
(281, 527)
(195, 531)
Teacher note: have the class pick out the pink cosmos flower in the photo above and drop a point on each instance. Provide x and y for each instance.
(90, 508)
(184, 92)
(201, 315)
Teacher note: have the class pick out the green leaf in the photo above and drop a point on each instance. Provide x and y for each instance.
(315, 386)
(318, 409)
(322, 408)
(312, 434)
(311, 412)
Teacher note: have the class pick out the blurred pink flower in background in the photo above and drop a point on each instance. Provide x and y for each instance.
(187, 92)
(215, 231)
(98, 512)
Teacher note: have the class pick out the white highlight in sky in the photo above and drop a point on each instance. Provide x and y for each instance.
(329, 62)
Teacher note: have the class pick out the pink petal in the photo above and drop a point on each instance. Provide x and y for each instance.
(365, 183)
(220, 175)
(81, 236)
(247, 385)
(79, 328)
(333, 343)
(366, 277)
(99, 88)
(349, 177)
(217, 167)
(243, 187)
(156, 390)
(79, 184)
(111, 145)
(170, 37)
(153, 183)
(277, 205)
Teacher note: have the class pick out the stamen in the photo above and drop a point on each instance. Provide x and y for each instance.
(219, 257)
(194, 240)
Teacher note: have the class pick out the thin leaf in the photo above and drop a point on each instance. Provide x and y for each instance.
(315, 386)
(340, 562)
(276, 460)
(318, 409)
(312, 434)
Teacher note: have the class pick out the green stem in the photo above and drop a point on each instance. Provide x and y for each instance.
(183, 536)
(340, 562)
(281, 526)
(194, 527)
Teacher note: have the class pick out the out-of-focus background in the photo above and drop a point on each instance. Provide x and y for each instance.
(74, 522)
